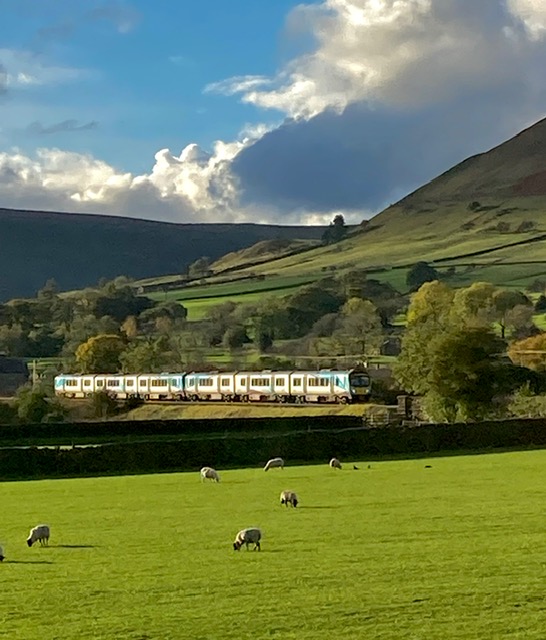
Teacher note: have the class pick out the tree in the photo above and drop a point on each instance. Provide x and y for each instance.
(143, 355)
(475, 305)
(336, 230)
(530, 352)
(431, 305)
(235, 337)
(460, 372)
(121, 303)
(420, 273)
(504, 302)
(360, 332)
(200, 268)
(100, 354)
(34, 405)
(309, 304)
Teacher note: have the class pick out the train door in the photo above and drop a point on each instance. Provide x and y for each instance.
(241, 386)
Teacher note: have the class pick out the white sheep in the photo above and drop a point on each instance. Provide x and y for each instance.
(289, 497)
(40, 533)
(335, 463)
(210, 473)
(274, 463)
(2, 556)
(248, 536)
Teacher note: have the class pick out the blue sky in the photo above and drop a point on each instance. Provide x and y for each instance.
(256, 110)
(144, 67)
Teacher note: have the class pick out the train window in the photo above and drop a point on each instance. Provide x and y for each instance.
(280, 382)
(112, 383)
(225, 382)
(156, 382)
(129, 383)
(297, 382)
(190, 381)
(71, 383)
(206, 382)
(142, 383)
(87, 383)
(260, 382)
(242, 382)
(100, 383)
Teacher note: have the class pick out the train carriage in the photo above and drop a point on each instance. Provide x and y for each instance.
(326, 385)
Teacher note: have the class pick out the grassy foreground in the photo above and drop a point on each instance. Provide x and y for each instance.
(393, 551)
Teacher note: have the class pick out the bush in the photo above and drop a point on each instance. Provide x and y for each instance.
(34, 405)
(104, 405)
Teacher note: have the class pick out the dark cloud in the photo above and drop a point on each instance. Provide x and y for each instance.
(366, 158)
(66, 125)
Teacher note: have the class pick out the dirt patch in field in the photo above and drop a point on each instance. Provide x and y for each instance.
(533, 185)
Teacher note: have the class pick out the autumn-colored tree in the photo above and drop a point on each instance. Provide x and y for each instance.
(100, 354)
(530, 352)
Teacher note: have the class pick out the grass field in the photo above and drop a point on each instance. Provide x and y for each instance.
(393, 551)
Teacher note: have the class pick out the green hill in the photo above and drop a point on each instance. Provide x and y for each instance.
(485, 217)
(77, 250)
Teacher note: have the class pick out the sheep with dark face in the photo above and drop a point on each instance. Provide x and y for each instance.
(248, 536)
(40, 534)
(289, 497)
(210, 474)
(274, 463)
(335, 463)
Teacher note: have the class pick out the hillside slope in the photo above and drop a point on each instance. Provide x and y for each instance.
(77, 250)
(491, 207)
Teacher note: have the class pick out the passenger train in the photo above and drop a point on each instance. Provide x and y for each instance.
(327, 385)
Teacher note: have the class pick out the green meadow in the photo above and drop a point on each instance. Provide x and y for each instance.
(394, 550)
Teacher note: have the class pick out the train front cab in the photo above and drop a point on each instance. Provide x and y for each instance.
(360, 385)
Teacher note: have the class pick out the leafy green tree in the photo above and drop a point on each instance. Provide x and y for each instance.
(336, 231)
(235, 337)
(309, 304)
(100, 354)
(144, 355)
(475, 305)
(34, 405)
(420, 273)
(121, 303)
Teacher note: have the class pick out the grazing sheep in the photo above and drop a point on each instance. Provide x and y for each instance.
(41, 533)
(335, 463)
(2, 556)
(248, 536)
(210, 473)
(274, 463)
(289, 497)
(355, 467)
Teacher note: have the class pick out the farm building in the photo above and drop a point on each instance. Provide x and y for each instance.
(13, 374)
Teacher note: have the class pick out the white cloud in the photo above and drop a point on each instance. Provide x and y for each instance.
(470, 71)
(23, 69)
(532, 13)
(393, 52)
